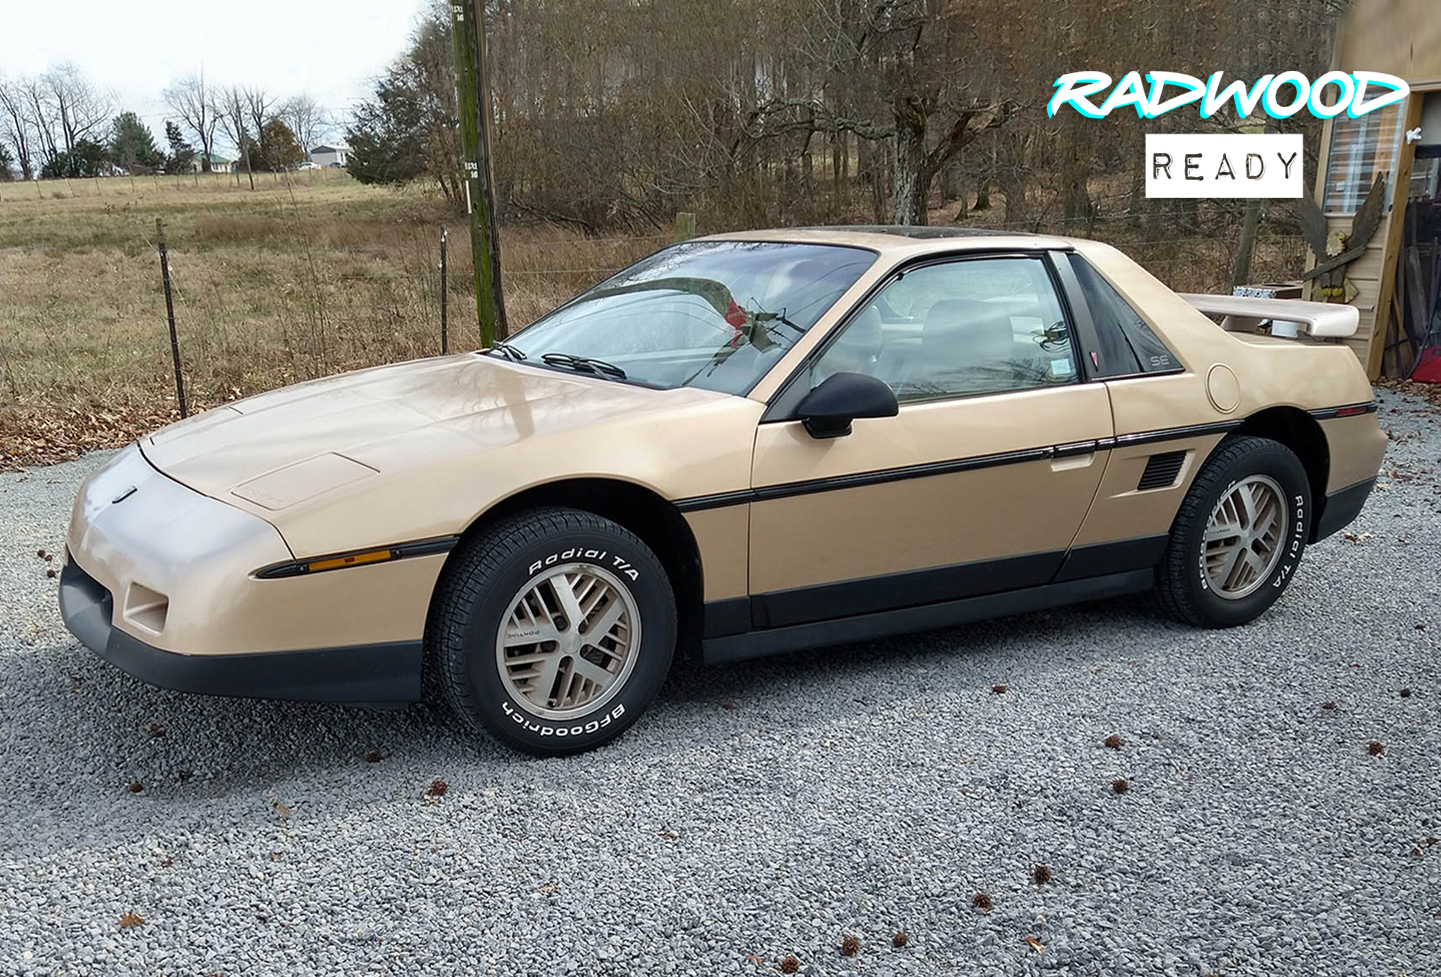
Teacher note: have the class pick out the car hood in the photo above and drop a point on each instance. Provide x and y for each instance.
(281, 448)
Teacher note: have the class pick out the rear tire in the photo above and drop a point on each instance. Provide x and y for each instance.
(552, 630)
(1238, 536)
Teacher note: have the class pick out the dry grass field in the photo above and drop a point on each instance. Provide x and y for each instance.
(294, 280)
(305, 275)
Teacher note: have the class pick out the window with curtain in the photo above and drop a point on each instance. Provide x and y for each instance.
(1360, 148)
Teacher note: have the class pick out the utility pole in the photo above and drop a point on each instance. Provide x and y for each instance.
(474, 107)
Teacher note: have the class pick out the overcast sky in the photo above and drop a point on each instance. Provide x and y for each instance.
(329, 49)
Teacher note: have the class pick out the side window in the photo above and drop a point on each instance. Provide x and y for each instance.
(959, 329)
(1128, 345)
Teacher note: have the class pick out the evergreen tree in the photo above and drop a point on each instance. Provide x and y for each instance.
(182, 154)
(88, 158)
(406, 129)
(278, 146)
(131, 145)
(388, 141)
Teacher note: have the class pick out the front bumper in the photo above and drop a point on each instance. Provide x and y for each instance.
(160, 580)
(379, 673)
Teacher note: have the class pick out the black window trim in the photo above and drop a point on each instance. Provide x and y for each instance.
(782, 404)
(1076, 298)
(1073, 300)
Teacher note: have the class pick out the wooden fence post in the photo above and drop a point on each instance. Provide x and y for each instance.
(170, 315)
(684, 226)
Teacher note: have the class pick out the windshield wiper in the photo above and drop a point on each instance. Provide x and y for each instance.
(761, 315)
(510, 352)
(584, 364)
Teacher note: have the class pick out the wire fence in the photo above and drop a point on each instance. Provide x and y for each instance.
(127, 186)
(311, 273)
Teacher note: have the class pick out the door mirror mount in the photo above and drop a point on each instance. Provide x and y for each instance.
(828, 410)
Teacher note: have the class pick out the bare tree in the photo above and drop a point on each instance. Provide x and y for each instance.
(15, 127)
(258, 105)
(610, 112)
(38, 113)
(232, 107)
(192, 101)
(78, 108)
(307, 119)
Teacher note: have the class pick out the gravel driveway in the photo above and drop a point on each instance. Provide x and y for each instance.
(770, 808)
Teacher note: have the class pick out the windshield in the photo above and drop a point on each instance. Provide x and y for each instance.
(713, 314)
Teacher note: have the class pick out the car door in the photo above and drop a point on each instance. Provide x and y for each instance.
(980, 482)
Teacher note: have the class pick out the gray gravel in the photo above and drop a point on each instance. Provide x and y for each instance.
(774, 807)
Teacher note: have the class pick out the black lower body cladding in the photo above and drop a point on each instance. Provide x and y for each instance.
(1341, 508)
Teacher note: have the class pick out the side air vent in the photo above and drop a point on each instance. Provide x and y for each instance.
(1161, 470)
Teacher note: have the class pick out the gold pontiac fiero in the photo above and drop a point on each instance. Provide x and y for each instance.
(746, 444)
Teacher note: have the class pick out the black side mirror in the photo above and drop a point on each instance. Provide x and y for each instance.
(827, 411)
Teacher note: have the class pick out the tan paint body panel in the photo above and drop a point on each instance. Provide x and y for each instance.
(199, 554)
(937, 520)
(722, 536)
(450, 437)
(1121, 511)
(421, 450)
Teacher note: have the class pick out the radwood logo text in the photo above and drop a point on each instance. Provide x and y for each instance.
(1223, 164)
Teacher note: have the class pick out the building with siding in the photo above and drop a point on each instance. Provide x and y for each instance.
(218, 164)
(1398, 277)
(329, 155)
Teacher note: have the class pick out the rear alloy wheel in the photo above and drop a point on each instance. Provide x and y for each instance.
(1239, 535)
(552, 630)
(1244, 537)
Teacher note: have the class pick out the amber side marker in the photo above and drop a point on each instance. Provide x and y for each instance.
(339, 561)
(354, 559)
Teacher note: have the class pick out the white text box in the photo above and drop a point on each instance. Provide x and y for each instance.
(1224, 165)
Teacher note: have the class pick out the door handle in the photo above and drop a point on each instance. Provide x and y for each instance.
(1077, 454)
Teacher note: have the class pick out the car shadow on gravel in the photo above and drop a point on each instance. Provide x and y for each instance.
(1001, 651)
(98, 718)
(103, 731)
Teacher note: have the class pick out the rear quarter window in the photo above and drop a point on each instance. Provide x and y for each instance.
(1120, 328)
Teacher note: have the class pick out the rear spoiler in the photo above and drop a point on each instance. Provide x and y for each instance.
(1287, 316)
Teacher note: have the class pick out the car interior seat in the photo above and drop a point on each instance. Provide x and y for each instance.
(971, 346)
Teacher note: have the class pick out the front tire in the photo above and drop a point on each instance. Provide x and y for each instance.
(552, 630)
(1239, 535)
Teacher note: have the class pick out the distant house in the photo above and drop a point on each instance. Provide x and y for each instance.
(329, 155)
(217, 164)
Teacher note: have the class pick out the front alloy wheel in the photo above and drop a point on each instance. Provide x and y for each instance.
(551, 630)
(567, 643)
